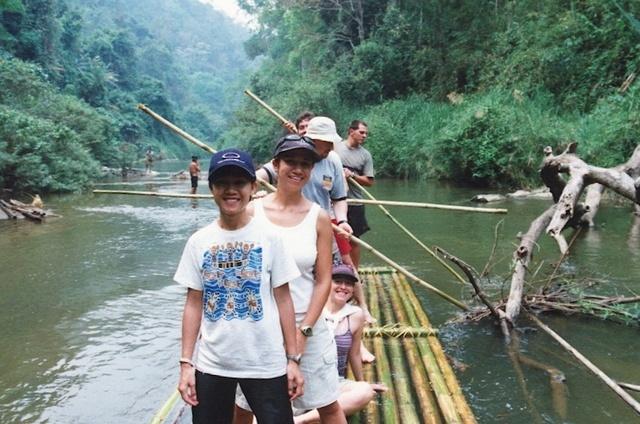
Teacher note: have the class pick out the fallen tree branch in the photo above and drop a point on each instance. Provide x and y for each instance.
(522, 258)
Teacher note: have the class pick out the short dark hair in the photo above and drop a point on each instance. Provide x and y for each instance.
(355, 124)
(194, 157)
(304, 116)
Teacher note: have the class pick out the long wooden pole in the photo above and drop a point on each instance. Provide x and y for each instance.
(407, 232)
(587, 363)
(382, 208)
(189, 137)
(335, 227)
(426, 205)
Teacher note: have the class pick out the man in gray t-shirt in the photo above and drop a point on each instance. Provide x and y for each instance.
(357, 164)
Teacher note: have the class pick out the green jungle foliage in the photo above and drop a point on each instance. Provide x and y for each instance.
(466, 90)
(73, 71)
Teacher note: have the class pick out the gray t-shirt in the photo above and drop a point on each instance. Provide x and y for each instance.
(358, 160)
(326, 183)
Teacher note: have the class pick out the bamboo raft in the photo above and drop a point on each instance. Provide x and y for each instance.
(409, 360)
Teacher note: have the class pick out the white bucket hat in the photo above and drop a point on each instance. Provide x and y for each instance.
(323, 128)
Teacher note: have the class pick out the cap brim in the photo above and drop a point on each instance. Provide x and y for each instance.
(351, 278)
(312, 152)
(225, 168)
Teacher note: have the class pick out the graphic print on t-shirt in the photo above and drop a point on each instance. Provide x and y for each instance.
(231, 274)
(327, 182)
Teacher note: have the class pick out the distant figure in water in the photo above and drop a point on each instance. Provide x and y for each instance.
(37, 202)
(148, 161)
(194, 172)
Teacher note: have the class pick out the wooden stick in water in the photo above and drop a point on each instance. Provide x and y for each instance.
(587, 363)
(426, 205)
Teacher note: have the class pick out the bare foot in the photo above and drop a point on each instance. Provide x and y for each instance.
(367, 357)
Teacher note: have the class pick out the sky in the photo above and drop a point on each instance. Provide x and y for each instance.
(231, 8)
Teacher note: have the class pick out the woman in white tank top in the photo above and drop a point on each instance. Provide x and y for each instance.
(306, 230)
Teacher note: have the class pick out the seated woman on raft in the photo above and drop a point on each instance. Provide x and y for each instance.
(347, 322)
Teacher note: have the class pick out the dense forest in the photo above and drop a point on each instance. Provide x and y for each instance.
(73, 71)
(470, 91)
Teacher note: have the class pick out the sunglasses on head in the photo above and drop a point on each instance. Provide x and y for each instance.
(295, 137)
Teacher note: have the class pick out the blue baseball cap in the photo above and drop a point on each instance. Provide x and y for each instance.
(224, 159)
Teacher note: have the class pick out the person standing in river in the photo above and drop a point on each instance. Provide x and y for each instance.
(194, 173)
(238, 307)
(358, 164)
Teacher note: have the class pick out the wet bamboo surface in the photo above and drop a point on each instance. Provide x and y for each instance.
(422, 385)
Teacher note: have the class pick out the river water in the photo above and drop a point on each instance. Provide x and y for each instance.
(91, 318)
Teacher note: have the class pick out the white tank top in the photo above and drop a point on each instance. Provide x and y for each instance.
(301, 240)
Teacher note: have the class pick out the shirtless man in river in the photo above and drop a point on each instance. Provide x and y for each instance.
(194, 172)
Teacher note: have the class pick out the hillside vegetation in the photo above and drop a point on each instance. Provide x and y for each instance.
(73, 71)
(464, 90)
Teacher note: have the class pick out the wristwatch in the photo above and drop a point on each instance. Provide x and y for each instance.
(306, 330)
(295, 358)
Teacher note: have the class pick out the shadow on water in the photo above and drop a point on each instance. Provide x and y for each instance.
(91, 316)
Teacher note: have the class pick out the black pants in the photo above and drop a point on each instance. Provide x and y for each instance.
(267, 397)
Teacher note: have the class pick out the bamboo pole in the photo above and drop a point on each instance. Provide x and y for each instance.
(401, 382)
(155, 194)
(366, 192)
(438, 384)
(165, 409)
(266, 106)
(371, 412)
(465, 412)
(407, 232)
(189, 137)
(587, 363)
(405, 272)
(390, 412)
(420, 382)
(427, 205)
(335, 227)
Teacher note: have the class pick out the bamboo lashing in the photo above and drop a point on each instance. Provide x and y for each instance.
(426, 205)
(335, 227)
(382, 208)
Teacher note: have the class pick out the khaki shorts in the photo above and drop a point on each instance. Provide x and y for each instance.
(319, 368)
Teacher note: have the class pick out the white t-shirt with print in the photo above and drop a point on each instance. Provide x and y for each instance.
(236, 271)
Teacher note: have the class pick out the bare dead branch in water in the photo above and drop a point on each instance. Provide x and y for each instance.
(489, 264)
